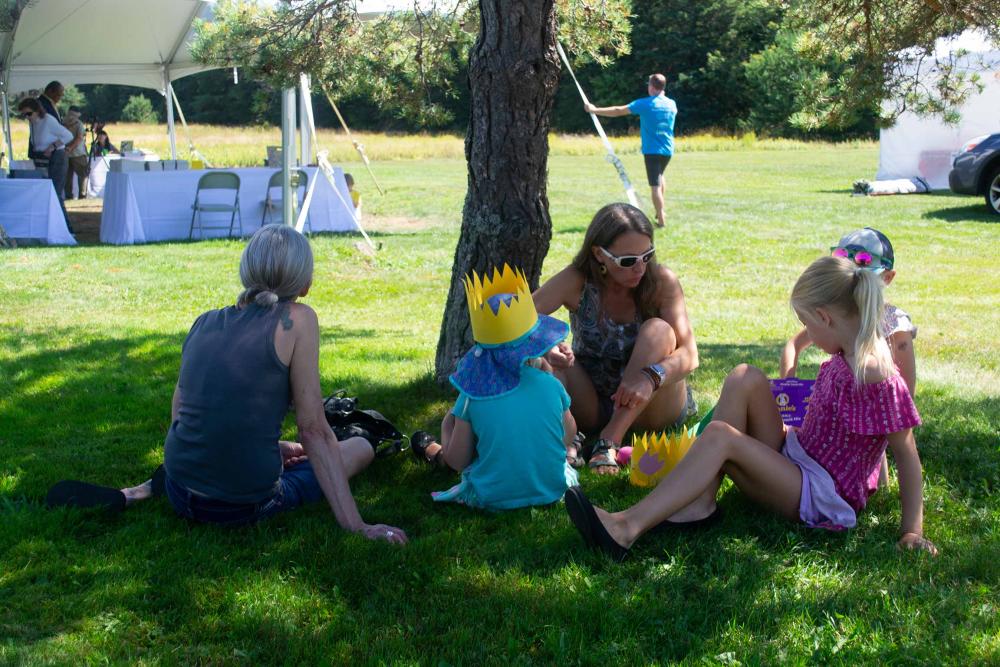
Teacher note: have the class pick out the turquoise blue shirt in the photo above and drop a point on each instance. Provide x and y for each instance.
(520, 453)
(656, 123)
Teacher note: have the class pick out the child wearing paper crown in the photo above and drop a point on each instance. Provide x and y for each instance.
(820, 474)
(869, 249)
(511, 424)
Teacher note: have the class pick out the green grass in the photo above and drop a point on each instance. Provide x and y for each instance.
(89, 351)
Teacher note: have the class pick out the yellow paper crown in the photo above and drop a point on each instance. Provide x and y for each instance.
(655, 455)
(510, 321)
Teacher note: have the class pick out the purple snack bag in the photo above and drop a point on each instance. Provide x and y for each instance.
(792, 396)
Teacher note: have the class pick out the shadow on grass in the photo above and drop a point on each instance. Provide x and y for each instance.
(976, 213)
(99, 409)
(471, 586)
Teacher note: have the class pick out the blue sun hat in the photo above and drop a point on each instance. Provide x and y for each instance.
(507, 330)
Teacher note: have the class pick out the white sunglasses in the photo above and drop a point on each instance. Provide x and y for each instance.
(628, 261)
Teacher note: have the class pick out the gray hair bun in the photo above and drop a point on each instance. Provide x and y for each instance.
(266, 298)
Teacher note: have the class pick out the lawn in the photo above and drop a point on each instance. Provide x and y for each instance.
(89, 351)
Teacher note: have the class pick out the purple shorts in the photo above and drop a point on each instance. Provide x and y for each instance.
(819, 505)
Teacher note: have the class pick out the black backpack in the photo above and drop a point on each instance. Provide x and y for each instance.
(347, 421)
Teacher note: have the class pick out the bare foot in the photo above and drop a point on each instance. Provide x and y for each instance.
(573, 456)
(603, 462)
(616, 527)
(134, 494)
(432, 451)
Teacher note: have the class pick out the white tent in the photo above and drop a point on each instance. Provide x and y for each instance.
(127, 42)
(925, 146)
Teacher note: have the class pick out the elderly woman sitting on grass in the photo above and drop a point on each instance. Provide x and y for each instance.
(240, 368)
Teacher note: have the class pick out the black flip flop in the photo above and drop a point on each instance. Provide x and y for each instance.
(667, 525)
(71, 493)
(581, 513)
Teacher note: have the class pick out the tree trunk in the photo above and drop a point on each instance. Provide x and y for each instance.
(513, 75)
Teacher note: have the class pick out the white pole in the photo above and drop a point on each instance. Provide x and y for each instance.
(611, 156)
(171, 128)
(305, 132)
(6, 128)
(287, 155)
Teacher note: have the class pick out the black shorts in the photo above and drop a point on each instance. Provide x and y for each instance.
(655, 165)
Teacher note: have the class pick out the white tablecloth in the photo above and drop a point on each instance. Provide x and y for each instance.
(156, 206)
(29, 209)
(100, 167)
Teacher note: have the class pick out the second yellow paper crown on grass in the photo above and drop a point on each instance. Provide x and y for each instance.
(510, 321)
(654, 455)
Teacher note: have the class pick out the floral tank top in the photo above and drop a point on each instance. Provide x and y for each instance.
(601, 345)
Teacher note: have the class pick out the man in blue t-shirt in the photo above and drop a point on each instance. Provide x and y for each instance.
(656, 126)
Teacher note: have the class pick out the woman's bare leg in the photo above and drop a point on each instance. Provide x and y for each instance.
(583, 397)
(357, 454)
(656, 340)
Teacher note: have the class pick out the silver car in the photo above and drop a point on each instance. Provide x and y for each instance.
(976, 170)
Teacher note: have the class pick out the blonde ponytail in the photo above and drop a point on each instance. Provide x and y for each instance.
(870, 343)
(838, 283)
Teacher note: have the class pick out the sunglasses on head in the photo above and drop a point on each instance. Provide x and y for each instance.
(627, 261)
(862, 257)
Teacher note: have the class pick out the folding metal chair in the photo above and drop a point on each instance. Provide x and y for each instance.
(300, 179)
(216, 180)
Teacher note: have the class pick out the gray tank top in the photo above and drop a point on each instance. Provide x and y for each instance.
(234, 394)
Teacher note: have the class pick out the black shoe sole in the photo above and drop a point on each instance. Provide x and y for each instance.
(666, 525)
(70, 493)
(584, 517)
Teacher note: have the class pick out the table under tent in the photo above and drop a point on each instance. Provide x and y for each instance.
(52, 40)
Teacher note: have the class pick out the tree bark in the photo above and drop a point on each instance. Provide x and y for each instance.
(513, 75)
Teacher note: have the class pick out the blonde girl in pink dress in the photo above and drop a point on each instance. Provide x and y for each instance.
(820, 474)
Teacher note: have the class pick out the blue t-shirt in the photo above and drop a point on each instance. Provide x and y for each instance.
(520, 454)
(656, 123)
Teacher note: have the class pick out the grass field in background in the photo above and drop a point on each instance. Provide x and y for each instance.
(246, 146)
(89, 352)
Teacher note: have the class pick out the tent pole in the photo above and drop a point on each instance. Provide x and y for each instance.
(305, 132)
(287, 155)
(6, 128)
(168, 94)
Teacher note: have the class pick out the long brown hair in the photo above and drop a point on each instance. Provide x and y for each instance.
(608, 224)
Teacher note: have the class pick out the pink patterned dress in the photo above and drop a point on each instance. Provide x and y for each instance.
(842, 439)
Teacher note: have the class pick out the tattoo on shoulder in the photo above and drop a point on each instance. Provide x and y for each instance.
(286, 319)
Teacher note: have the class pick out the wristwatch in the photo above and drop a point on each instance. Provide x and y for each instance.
(656, 373)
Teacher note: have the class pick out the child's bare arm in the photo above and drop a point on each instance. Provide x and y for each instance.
(459, 449)
(901, 344)
(904, 450)
(790, 355)
(569, 428)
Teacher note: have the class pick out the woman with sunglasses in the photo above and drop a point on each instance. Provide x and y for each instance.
(633, 346)
(48, 138)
